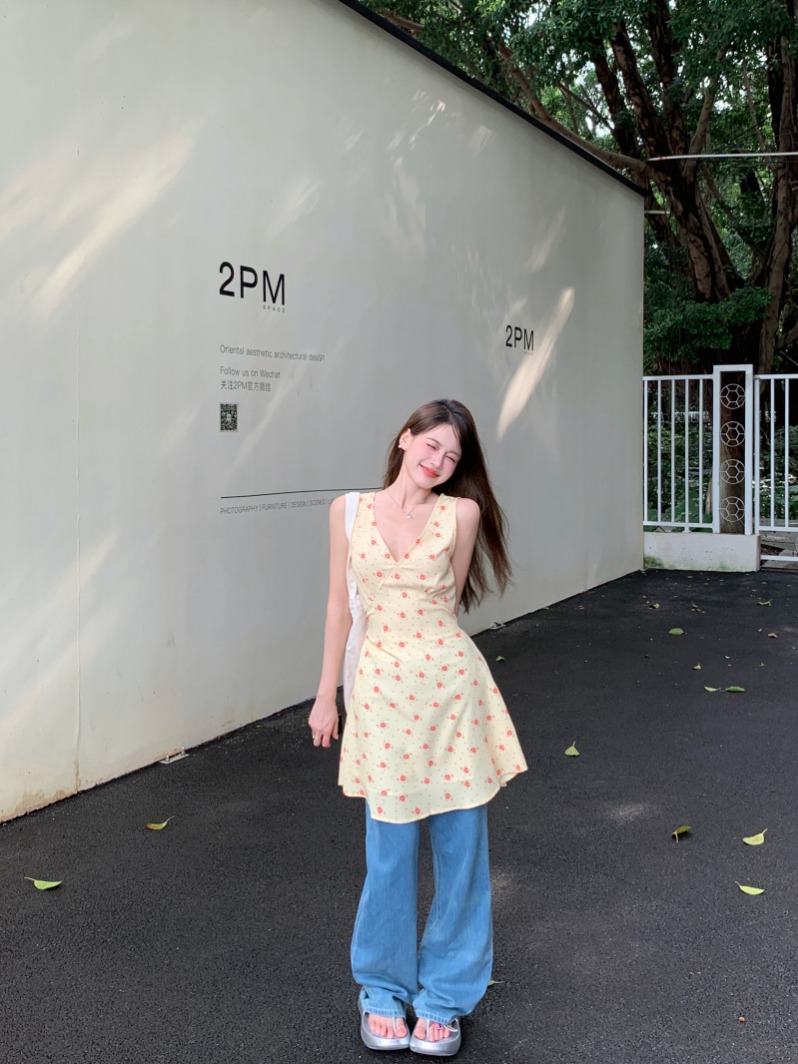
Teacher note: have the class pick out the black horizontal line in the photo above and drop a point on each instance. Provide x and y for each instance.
(307, 491)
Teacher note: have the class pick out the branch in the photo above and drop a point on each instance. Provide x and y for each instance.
(536, 108)
(651, 129)
(414, 28)
(663, 49)
(702, 126)
(749, 99)
(587, 104)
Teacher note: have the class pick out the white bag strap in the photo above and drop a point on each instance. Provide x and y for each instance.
(358, 629)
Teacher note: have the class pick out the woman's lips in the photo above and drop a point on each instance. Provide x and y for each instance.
(429, 473)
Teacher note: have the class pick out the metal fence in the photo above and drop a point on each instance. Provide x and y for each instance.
(721, 451)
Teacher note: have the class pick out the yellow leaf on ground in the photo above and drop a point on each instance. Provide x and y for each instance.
(755, 840)
(572, 751)
(750, 890)
(159, 827)
(711, 689)
(676, 631)
(45, 884)
(683, 829)
(696, 668)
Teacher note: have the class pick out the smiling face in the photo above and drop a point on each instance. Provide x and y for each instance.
(431, 456)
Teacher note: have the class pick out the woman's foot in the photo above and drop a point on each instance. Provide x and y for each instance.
(434, 1039)
(387, 1026)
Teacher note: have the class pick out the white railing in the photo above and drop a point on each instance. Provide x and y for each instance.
(776, 485)
(720, 447)
(677, 454)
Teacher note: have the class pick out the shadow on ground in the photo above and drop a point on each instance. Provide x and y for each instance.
(225, 936)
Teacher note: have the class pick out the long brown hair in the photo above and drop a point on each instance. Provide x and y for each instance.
(469, 481)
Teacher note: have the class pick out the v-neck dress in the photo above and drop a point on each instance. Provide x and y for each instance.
(427, 730)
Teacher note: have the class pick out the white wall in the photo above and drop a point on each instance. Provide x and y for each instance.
(413, 219)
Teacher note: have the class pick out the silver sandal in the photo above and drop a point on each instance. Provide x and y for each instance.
(376, 1041)
(444, 1047)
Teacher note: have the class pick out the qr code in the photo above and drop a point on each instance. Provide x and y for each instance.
(229, 417)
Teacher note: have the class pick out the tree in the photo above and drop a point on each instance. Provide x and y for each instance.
(641, 82)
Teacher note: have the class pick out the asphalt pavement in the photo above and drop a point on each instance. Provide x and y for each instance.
(225, 936)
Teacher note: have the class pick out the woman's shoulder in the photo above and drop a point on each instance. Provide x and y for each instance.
(466, 508)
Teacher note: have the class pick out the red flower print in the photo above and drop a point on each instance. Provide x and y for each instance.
(466, 769)
(411, 698)
(362, 555)
(509, 732)
(401, 797)
(436, 705)
(379, 808)
(417, 810)
(452, 716)
(473, 749)
(461, 672)
(383, 793)
(402, 615)
(426, 779)
(421, 576)
(425, 746)
(408, 731)
(431, 557)
(459, 735)
(416, 716)
(403, 644)
(397, 576)
(434, 602)
(447, 795)
(387, 746)
(447, 776)
(398, 678)
(402, 779)
(383, 764)
(405, 757)
(379, 574)
(467, 783)
(490, 779)
(383, 724)
(450, 749)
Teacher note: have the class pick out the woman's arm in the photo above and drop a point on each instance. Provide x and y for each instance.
(467, 528)
(323, 719)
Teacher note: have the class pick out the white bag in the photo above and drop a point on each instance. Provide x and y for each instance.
(357, 632)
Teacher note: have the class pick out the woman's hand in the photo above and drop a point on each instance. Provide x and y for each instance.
(323, 720)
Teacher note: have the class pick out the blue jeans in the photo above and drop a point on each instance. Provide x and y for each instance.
(447, 974)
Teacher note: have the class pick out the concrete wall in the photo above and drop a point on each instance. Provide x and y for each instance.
(164, 579)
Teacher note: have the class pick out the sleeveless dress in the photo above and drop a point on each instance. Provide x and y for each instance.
(427, 730)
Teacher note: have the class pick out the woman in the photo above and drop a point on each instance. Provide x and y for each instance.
(428, 737)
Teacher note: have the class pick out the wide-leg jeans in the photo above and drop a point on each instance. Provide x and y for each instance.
(448, 972)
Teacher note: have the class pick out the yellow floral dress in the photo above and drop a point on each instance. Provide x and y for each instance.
(427, 730)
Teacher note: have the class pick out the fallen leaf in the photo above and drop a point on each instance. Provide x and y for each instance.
(500, 658)
(494, 982)
(741, 1019)
(683, 829)
(572, 751)
(766, 602)
(755, 840)
(676, 631)
(45, 884)
(750, 890)
(696, 609)
(653, 605)
(159, 827)
(736, 690)
(772, 635)
(696, 668)
(711, 688)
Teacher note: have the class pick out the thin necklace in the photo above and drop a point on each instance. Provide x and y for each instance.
(409, 516)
